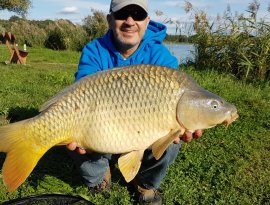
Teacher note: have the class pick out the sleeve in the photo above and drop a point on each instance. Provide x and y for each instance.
(162, 56)
(89, 61)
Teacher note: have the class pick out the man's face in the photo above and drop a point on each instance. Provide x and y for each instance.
(128, 26)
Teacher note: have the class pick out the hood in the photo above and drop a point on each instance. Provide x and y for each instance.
(156, 32)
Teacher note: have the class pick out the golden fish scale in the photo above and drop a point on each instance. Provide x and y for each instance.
(115, 111)
(52, 127)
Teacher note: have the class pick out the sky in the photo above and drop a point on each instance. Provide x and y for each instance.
(77, 10)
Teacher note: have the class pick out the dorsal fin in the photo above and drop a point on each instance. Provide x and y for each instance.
(55, 98)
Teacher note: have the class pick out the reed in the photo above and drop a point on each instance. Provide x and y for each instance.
(239, 44)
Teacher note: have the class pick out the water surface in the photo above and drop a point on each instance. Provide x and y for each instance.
(183, 52)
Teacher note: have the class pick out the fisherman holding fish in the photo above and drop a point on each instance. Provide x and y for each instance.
(132, 38)
(139, 109)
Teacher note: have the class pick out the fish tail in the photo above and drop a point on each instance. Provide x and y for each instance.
(21, 157)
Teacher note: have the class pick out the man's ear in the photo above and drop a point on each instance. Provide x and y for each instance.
(148, 20)
(109, 20)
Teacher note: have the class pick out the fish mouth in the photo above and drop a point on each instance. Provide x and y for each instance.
(231, 119)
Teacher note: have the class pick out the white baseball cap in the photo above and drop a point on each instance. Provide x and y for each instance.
(116, 5)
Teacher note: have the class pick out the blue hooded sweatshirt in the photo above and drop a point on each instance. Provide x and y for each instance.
(101, 54)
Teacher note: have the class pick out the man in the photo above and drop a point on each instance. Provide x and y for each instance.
(132, 38)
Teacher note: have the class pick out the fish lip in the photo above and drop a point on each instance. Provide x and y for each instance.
(231, 119)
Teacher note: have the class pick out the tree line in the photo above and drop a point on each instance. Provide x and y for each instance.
(60, 34)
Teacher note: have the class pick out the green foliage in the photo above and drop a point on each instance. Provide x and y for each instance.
(4, 25)
(95, 25)
(2, 29)
(246, 57)
(235, 44)
(57, 35)
(64, 35)
(28, 33)
(15, 18)
(177, 38)
(18, 6)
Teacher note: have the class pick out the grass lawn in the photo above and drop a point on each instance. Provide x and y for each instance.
(225, 166)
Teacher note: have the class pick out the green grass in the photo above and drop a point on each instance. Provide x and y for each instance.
(225, 166)
(42, 55)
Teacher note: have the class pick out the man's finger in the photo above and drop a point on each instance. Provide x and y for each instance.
(198, 134)
(81, 151)
(72, 146)
(187, 137)
(176, 140)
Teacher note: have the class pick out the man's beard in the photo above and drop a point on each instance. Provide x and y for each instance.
(120, 42)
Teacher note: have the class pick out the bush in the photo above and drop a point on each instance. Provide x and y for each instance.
(2, 29)
(64, 35)
(95, 25)
(27, 33)
(236, 44)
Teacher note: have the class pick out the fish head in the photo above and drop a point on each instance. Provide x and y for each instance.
(201, 109)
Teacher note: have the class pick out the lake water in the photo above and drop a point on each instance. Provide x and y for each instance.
(183, 52)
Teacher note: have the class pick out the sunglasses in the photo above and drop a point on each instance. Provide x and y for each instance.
(124, 14)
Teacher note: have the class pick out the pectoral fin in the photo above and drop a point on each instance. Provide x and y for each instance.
(159, 147)
(130, 163)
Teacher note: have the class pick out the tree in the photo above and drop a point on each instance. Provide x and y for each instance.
(18, 6)
(95, 25)
(14, 18)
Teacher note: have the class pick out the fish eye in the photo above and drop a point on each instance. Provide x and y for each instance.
(214, 104)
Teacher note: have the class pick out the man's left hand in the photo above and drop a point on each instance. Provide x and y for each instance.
(188, 136)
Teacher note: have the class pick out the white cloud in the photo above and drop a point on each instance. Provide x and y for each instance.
(69, 10)
(173, 3)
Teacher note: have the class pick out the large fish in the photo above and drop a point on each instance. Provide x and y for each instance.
(123, 110)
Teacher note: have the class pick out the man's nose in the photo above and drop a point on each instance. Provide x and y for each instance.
(130, 20)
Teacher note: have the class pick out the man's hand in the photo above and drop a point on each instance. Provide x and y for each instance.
(73, 146)
(188, 136)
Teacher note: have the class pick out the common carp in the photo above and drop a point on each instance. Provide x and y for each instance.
(123, 111)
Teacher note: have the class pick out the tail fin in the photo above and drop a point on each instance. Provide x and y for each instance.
(21, 156)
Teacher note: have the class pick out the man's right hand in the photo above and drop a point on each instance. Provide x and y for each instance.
(73, 146)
